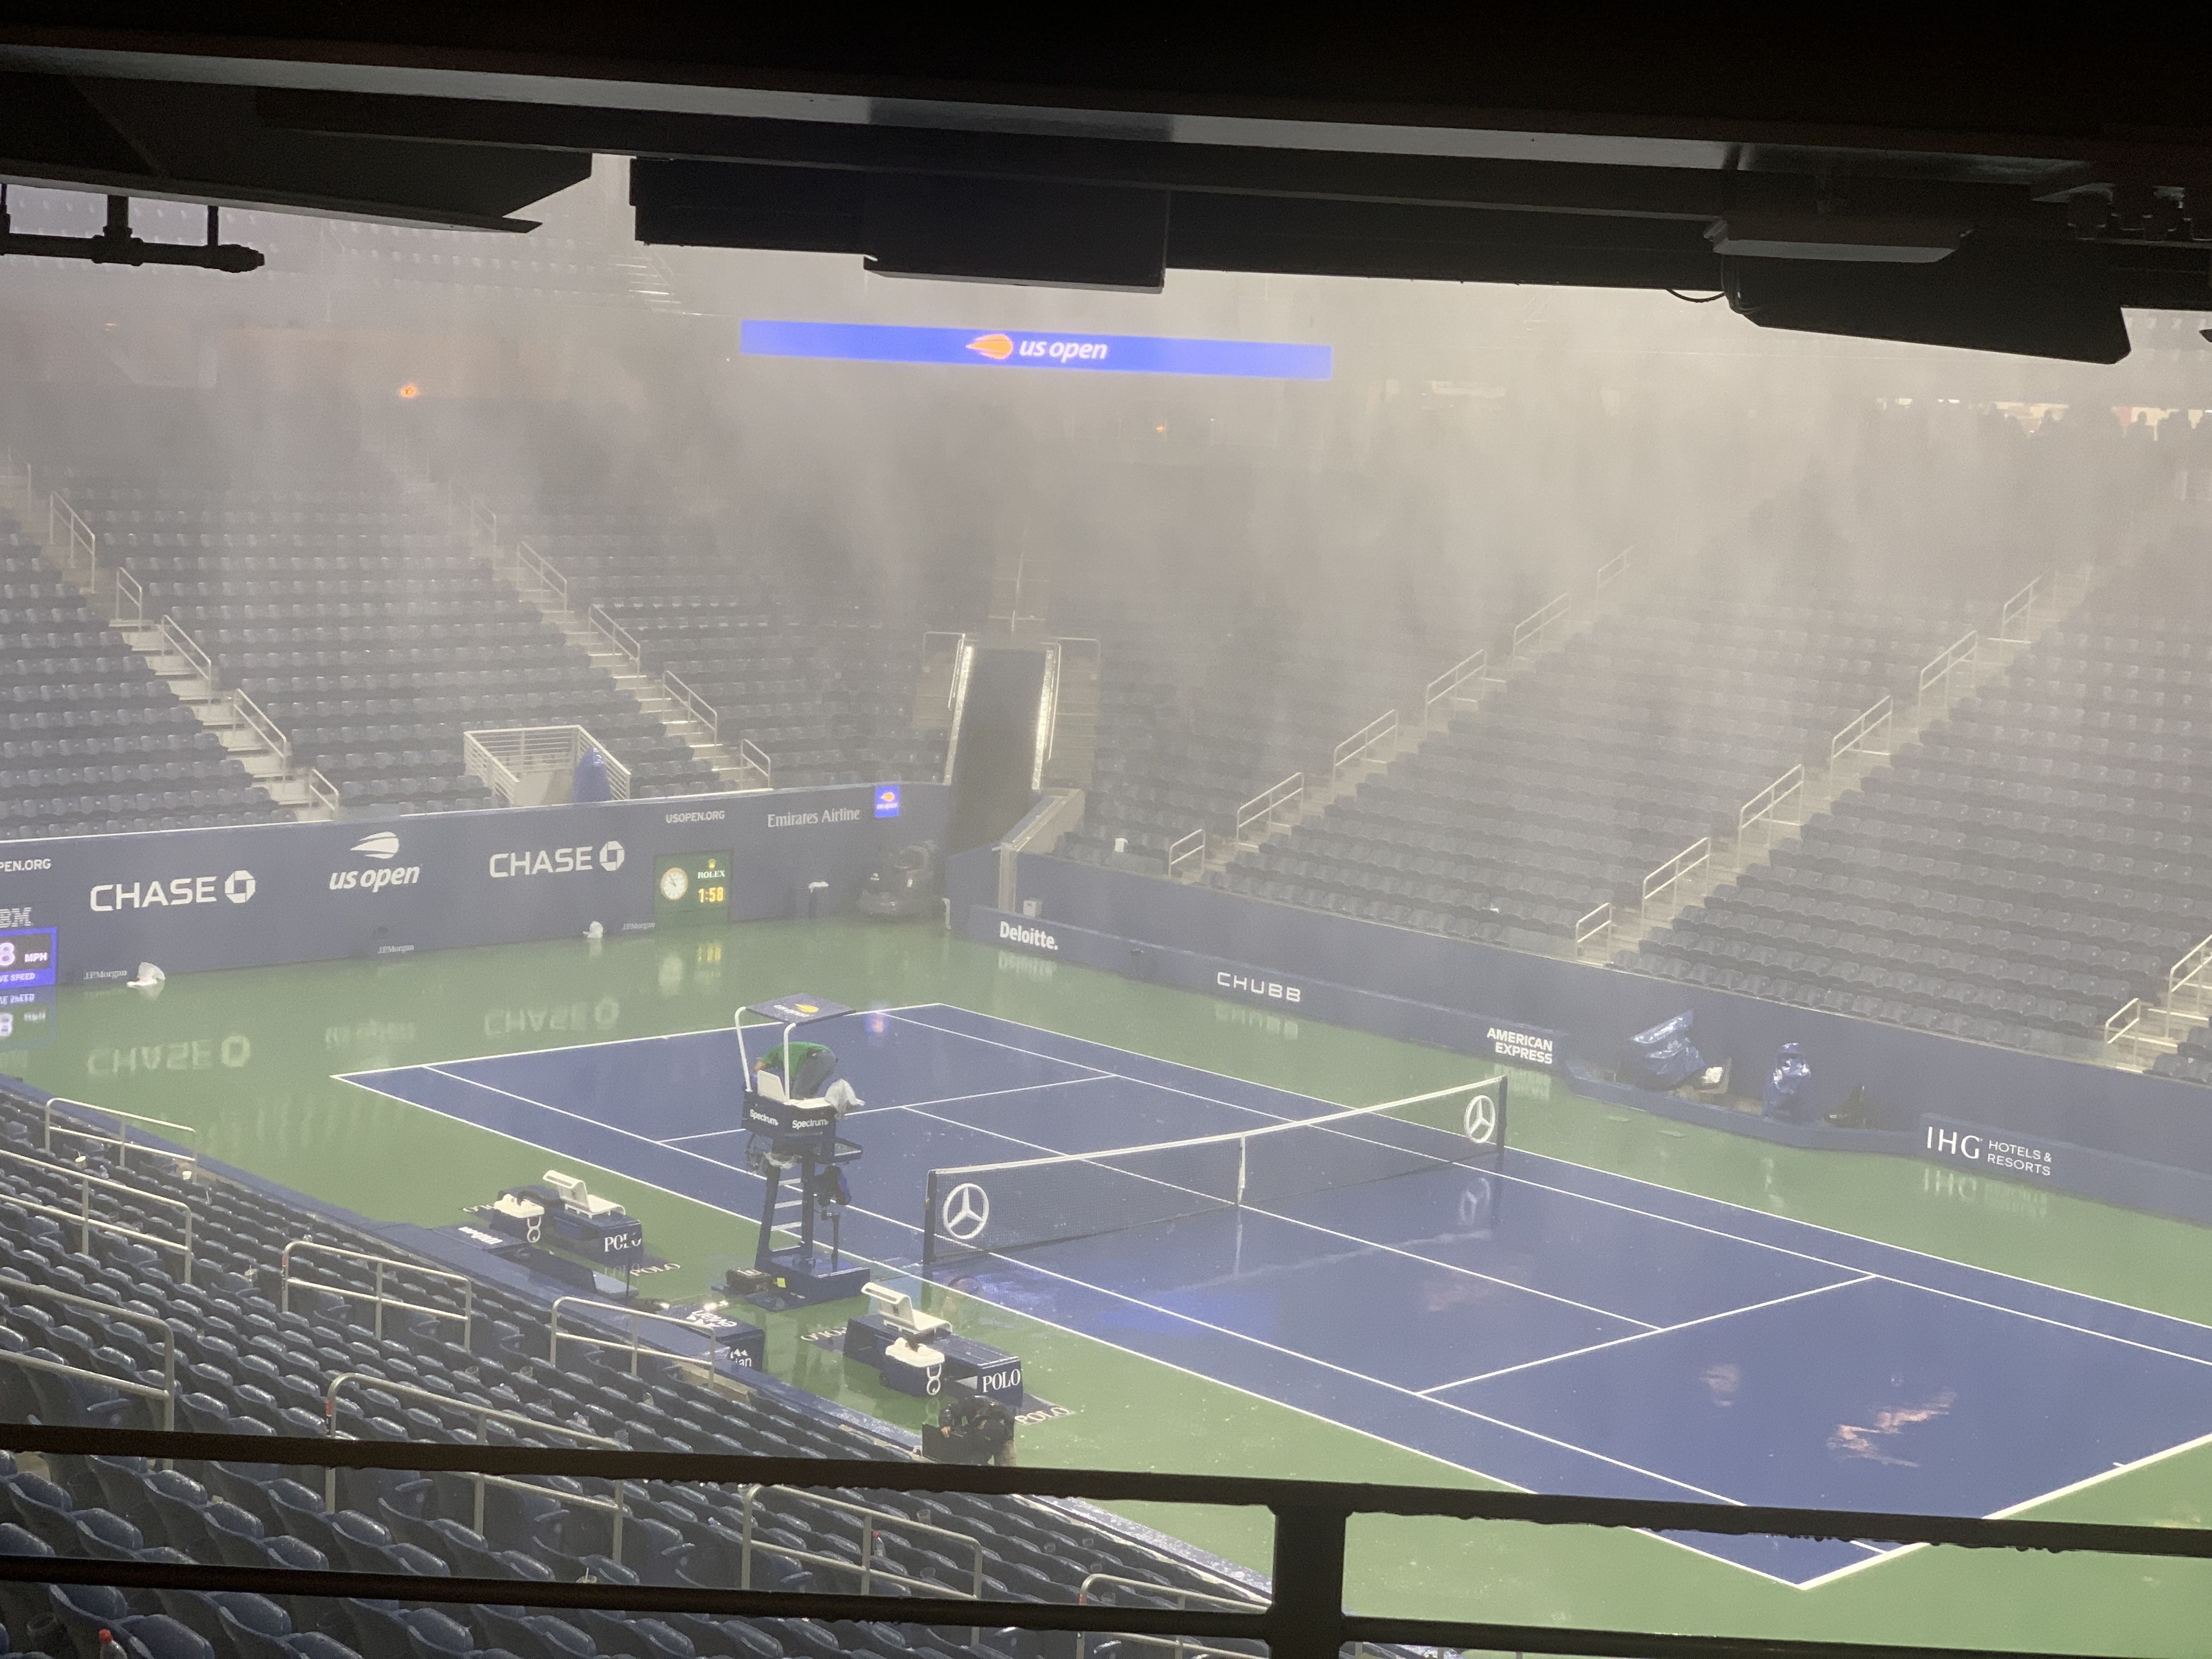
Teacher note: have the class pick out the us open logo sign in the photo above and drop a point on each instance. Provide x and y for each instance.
(966, 1211)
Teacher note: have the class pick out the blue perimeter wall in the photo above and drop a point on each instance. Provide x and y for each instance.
(260, 894)
(2120, 1136)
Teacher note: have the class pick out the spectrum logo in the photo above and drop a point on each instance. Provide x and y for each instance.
(997, 347)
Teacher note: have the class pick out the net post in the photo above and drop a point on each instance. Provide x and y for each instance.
(929, 1226)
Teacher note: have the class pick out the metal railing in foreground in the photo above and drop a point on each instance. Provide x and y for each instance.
(287, 1281)
(1305, 1619)
(120, 1139)
(87, 1223)
(1369, 745)
(1868, 734)
(1445, 687)
(1593, 932)
(165, 1396)
(1186, 856)
(1529, 632)
(2012, 621)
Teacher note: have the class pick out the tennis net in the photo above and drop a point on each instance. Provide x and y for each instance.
(981, 1208)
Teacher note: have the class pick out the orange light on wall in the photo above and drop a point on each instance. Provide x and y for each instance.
(411, 390)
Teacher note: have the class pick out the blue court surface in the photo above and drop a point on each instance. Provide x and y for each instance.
(1545, 1323)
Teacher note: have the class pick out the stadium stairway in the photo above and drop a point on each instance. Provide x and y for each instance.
(1781, 820)
(112, 1315)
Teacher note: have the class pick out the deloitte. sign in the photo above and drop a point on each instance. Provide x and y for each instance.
(1123, 354)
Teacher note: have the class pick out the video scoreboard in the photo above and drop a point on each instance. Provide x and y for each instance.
(27, 958)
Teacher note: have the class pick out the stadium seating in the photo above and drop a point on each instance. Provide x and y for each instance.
(94, 742)
(1591, 769)
(819, 680)
(363, 631)
(247, 1366)
(2033, 863)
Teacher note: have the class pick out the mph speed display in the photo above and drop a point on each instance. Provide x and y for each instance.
(27, 958)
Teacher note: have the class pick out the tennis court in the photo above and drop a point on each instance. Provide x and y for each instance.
(1540, 1322)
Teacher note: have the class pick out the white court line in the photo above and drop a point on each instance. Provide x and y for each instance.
(1877, 1556)
(947, 1100)
(1653, 1215)
(1314, 1226)
(1070, 1330)
(1657, 1330)
(616, 1042)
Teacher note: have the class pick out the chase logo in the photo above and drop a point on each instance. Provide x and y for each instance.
(382, 846)
(887, 800)
(997, 347)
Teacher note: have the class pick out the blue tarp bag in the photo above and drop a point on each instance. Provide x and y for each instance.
(1787, 1096)
(591, 781)
(1664, 1057)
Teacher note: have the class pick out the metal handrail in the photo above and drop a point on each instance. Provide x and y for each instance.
(1185, 849)
(87, 1223)
(1180, 1646)
(1765, 807)
(189, 648)
(1532, 627)
(1358, 748)
(693, 704)
(751, 754)
(1615, 568)
(2016, 611)
(637, 1345)
(11, 1280)
(128, 587)
(2129, 1017)
(539, 568)
(870, 1519)
(121, 1139)
(1446, 685)
(1304, 1619)
(1860, 734)
(1688, 862)
(1956, 655)
(285, 1280)
(62, 518)
(166, 1398)
(257, 720)
(959, 643)
(482, 518)
(615, 1506)
(487, 754)
(2187, 972)
(1263, 807)
(620, 640)
(321, 789)
(1595, 922)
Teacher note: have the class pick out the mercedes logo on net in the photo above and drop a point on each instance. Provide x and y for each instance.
(1481, 1120)
(966, 1211)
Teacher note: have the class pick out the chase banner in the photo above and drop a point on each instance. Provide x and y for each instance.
(1112, 354)
(96, 906)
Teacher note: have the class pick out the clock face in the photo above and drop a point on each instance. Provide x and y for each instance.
(674, 882)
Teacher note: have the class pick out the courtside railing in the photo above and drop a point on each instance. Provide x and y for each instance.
(1614, 568)
(165, 1396)
(1270, 810)
(1304, 1617)
(503, 756)
(87, 1223)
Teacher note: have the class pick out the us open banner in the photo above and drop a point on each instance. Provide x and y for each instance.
(257, 893)
(1279, 990)
(990, 348)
